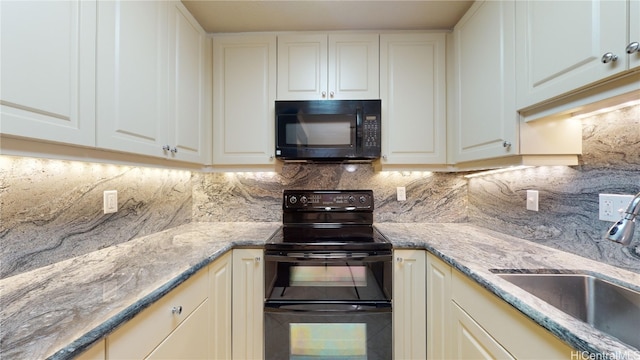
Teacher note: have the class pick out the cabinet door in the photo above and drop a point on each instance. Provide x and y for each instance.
(48, 70)
(248, 302)
(220, 307)
(189, 340)
(439, 318)
(137, 338)
(634, 31)
(132, 76)
(471, 341)
(354, 66)
(413, 93)
(189, 116)
(409, 307)
(484, 112)
(244, 99)
(302, 67)
(561, 43)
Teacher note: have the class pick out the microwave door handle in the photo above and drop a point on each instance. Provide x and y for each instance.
(358, 128)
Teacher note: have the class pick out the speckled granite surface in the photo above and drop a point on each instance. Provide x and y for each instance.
(474, 251)
(59, 309)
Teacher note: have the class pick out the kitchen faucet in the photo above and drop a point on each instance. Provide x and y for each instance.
(622, 231)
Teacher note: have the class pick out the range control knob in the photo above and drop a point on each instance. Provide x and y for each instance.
(351, 199)
(303, 199)
(293, 199)
(363, 199)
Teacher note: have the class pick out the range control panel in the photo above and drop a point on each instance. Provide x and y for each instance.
(327, 200)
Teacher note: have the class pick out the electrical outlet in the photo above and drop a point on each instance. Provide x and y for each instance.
(401, 193)
(532, 200)
(110, 201)
(612, 206)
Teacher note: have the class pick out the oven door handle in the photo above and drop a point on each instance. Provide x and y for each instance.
(326, 307)
(328, 256)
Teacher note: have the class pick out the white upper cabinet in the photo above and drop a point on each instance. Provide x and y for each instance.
(413, 94)
(566, 45)
(633, 46)
(189, 113)
(321, 66)
(151, 80)
(48, 70)
(132, 76)
(484, 118)
(244, 93)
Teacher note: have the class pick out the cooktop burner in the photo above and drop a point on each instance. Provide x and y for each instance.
(328, 220)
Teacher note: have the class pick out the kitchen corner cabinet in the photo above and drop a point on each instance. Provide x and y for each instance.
(176, 322)
(485, 127)
(439, 319)
(248, 301)
(48, 55)
(151, 80)
(413, 94)
(334, 66)
(561, 45)
(244, 93)
(484, 326)
(409, 304)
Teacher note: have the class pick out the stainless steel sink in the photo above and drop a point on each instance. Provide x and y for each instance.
(606, 306)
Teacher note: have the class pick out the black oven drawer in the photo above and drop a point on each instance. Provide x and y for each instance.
(328, 332)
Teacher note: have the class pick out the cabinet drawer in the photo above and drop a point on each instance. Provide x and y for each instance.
(138, 337)
(521, 336)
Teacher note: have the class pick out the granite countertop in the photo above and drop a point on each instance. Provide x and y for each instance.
(58, 310)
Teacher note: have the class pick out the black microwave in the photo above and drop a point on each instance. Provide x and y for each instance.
(326, 130)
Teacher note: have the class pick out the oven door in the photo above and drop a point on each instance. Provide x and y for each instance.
(328, 277)
(313, 331)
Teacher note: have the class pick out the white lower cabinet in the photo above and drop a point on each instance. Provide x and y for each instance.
(220, 307)
(438, 309)
(409, 307)
(471, 341)
(487, 327)
(248, 302)
(189, 339)
(140, 336)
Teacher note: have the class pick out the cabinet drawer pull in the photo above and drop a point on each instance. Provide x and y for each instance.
(633, 47)
(176, 310)
(506, 144)
(609, 57)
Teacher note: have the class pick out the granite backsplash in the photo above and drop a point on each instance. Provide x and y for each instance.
(51, 210)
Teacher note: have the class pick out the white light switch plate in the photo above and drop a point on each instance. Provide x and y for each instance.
(532, 200)
(110, 201)
(401, 193)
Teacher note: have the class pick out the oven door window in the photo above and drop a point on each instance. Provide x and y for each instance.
(335, 280)
(327, 341)
(316, 130)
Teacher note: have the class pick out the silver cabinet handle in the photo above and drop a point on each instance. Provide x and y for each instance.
(399, 259)
(174, 150)
(331, 94)
(633, 47)
(384, 157)
(324, 94)
(506, 144)
(166, 148)
(609, 57)
(176, 310)
(258, 259)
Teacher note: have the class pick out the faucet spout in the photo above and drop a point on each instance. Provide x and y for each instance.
(622, 231)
